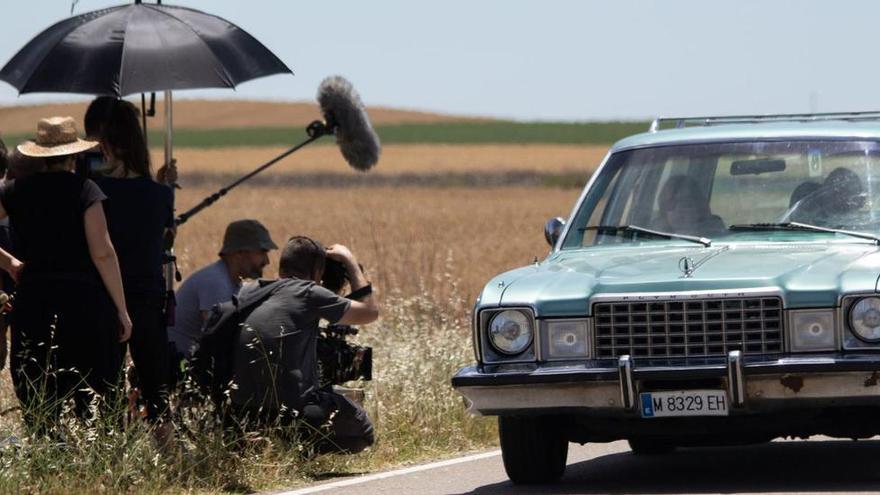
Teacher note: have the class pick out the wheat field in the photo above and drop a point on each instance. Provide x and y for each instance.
(397, 159)
(405, 237)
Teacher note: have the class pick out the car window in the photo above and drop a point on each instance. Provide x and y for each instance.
(703, 189)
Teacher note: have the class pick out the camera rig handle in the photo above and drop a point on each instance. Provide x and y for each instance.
(315, 131)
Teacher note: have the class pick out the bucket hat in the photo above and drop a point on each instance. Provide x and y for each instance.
(246, 235)
(56, 136)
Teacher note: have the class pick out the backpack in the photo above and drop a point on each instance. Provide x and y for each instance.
(212, 363)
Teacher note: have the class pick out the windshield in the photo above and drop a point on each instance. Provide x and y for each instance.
(702, 190)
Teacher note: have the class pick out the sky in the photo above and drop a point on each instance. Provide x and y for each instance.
(559, 60)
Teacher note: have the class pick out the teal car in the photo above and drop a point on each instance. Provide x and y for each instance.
(715, 284)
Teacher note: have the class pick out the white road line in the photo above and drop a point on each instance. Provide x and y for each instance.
(390, 474)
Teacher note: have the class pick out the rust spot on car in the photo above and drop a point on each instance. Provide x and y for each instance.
(872, 380)
(793, 382)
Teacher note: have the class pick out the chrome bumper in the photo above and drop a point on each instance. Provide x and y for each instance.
(751, 386)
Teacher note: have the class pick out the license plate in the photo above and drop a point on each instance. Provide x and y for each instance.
(684, 403)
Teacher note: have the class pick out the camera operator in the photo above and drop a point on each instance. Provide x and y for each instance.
(276, 364)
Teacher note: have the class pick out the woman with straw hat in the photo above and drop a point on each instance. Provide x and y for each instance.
(70, 312)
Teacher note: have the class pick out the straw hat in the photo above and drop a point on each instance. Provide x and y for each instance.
(56, 136)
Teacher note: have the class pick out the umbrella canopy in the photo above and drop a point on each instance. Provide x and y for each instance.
(139, 48)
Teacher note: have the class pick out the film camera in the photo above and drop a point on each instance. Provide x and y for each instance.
(338, 360)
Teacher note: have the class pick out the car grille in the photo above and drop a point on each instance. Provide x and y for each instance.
(693, 328)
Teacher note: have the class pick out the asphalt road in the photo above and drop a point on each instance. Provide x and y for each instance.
(815, 466)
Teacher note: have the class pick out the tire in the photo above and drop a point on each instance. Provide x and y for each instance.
(534, 449)
(648, 446)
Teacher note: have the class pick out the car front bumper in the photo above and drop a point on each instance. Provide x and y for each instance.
(753, 385)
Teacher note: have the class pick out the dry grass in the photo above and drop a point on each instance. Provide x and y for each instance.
(203, 114)
(406, 237)
(397, 159)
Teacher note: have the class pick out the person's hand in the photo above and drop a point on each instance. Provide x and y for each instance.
(124, 326)
(167, 174)
(15, 269)
(168, 237)
(341, 253)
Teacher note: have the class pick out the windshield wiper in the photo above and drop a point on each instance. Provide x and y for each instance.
(805, 227)
(613, 229)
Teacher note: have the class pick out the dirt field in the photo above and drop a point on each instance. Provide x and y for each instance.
(204, 114)
(396, 159)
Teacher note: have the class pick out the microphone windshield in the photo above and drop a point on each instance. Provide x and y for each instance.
(345, 114)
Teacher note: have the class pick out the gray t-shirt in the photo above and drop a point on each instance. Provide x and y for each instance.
(199, 292)
(276, 361)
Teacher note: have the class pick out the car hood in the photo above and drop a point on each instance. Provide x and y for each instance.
(807, 274)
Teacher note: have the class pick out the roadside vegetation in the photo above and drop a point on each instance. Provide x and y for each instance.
(415, 413)
(427, 250)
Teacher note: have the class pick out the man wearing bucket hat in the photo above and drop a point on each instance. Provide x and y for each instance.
(70, 312)
(244, 254)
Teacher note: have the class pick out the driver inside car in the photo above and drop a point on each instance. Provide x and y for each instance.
(683, 209)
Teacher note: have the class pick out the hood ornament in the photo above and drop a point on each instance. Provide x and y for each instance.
(687, 266)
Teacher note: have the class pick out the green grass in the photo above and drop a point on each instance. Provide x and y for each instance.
(501, 132)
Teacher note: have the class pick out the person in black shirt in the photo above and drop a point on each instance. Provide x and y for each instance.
(140, 213)
(70, 309)
(275, 359)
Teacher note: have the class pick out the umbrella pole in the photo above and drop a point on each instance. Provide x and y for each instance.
(144, 118)
(169, 128)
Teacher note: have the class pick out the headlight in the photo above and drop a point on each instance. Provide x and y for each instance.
(864, 319)
(812, 330)
(567, 339)
(510, 332)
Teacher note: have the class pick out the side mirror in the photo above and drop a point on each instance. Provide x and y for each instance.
(553, 229)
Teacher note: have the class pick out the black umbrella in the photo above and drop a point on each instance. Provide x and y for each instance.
(139, 48)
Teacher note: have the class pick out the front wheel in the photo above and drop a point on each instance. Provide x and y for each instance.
(534, 448)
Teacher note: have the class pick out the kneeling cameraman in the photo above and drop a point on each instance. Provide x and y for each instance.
(275, 361)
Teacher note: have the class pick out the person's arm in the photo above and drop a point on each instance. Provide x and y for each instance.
(359, 312)
(104, 257)
(9, 263)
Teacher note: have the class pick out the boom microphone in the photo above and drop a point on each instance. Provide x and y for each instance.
(345, 116)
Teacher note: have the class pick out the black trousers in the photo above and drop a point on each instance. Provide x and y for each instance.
(330, 421)
(350, 429)
(65, 345)
(149, 351)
